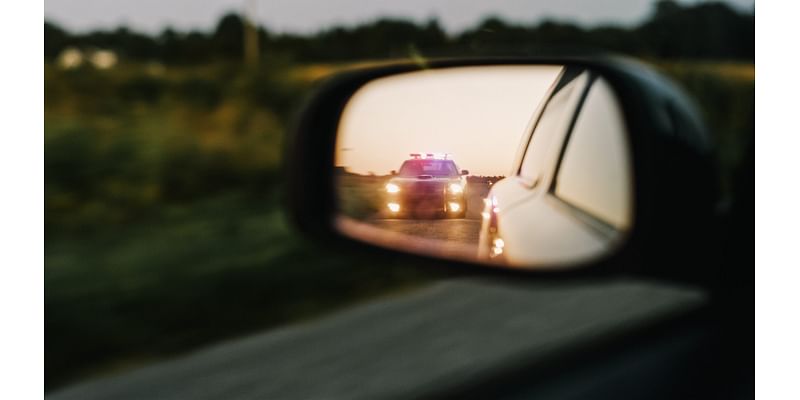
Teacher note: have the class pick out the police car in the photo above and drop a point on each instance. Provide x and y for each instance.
(428, 185)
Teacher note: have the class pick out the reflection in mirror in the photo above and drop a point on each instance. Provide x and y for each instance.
(520, 166)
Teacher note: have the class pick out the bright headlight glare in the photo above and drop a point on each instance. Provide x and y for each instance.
(498, 246)
(392, 188)
(456, 188)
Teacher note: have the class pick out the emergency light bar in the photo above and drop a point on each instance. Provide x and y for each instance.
(431, 156)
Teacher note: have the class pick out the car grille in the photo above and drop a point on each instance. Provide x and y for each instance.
(427, 188)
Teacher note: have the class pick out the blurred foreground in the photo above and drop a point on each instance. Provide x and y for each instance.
(164, 227)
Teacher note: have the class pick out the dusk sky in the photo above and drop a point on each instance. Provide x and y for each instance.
(303, 16)
(476, 114)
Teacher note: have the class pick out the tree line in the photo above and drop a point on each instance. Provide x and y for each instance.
(705, 31)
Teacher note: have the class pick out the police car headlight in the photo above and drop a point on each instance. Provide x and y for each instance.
(392, 188)
(456, 188)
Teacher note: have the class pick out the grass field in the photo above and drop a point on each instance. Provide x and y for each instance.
(187, 274)
(164, 222)
(360, 196)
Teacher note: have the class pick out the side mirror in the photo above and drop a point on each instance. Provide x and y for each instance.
(591, 165)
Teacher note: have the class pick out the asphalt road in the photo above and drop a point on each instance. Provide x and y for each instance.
(462, 230)
(411, 346)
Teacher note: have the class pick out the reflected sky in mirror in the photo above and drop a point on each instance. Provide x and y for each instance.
(478, 120)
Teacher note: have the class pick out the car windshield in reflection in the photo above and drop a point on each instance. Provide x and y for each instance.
(413, 168)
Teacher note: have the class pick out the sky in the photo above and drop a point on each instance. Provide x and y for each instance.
(308, 16)
(477, 114)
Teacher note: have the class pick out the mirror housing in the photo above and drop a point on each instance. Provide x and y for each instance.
(464, 172)
(675, 177)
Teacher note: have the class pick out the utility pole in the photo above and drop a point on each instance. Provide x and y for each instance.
(251, 53)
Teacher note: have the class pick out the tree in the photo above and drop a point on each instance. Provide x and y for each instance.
(666, 8)
(227, 38)
(55, 41)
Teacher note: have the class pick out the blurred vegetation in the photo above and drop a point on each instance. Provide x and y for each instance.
(164, 227)
(163, 221)
(119, 143)
(706, 30)
(361, 196)
(725, 94)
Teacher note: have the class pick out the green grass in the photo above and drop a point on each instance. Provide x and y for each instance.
(190, 274)
(164, 229)
(360, 196)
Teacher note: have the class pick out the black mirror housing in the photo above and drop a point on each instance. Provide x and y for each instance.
(676, 182)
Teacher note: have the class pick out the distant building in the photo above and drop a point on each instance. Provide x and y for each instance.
(72, 57)
(103, 59)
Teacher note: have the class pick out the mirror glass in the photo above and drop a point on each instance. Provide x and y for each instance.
(519, 166)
